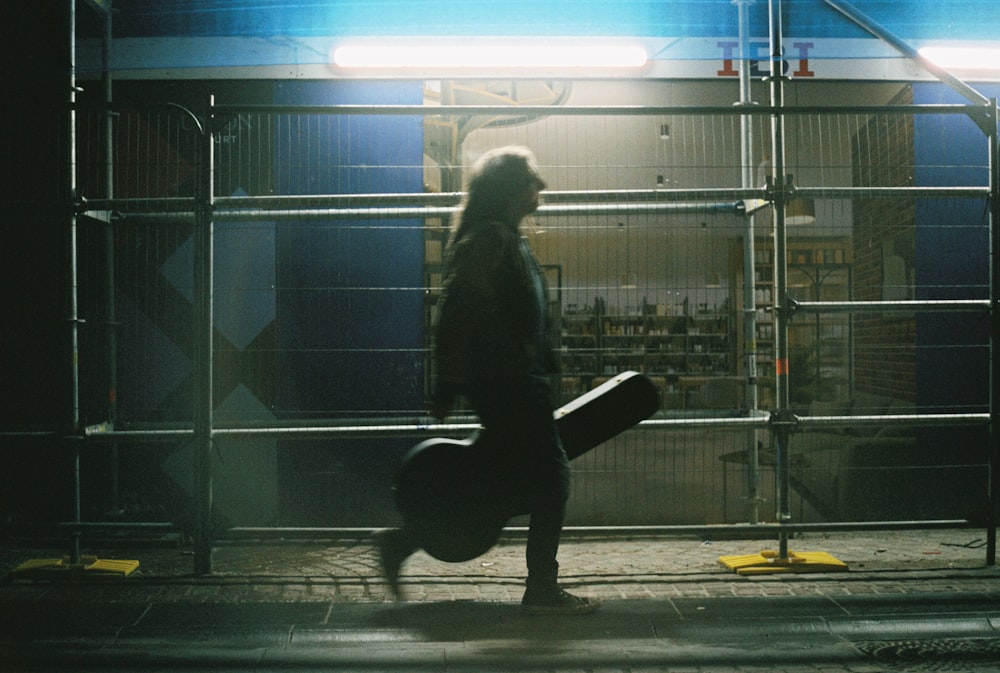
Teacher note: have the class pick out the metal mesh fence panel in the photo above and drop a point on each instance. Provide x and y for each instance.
(329, 229)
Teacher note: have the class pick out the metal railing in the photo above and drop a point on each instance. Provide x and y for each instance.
(206, 208)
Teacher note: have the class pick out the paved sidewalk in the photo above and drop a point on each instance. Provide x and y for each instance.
(607, 567)
(915, 600)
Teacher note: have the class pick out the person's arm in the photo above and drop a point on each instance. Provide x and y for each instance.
(474, 331)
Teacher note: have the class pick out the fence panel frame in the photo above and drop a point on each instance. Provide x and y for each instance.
(208, 208)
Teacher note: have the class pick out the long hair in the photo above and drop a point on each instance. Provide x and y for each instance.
(497, 179)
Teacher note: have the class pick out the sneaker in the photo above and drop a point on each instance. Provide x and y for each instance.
(556, 602)
(392, 552)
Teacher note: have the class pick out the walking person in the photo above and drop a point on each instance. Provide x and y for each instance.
(493, 346)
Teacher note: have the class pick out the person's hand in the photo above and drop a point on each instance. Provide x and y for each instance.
(440, 409)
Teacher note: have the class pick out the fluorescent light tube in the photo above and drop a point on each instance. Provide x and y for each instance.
(963, 58)
(473, 56)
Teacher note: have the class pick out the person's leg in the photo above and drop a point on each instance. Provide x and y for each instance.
(394, 546)
(526, 438)
(548, 486)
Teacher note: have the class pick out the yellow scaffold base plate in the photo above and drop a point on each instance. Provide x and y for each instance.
(89, 566)
(769, 561)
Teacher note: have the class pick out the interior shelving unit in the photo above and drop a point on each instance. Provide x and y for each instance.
(679, 352)
(819, 269)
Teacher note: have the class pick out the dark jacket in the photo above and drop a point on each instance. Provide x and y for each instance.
(493, 328)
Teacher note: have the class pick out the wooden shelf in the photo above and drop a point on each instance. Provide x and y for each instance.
(595, 345)
(818, 269)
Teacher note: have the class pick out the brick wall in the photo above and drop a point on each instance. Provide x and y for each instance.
(884, 344)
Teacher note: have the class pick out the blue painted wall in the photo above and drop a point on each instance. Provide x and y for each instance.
(350, 299)
(952, 260)
(923, 19)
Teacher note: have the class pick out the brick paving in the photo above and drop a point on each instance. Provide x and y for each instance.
(607, 567)
(913, 600)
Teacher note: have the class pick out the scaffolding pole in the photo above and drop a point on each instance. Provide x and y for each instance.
(204, 328)
(71, 422)
(994, 224)
(779, 184)
(749, 266)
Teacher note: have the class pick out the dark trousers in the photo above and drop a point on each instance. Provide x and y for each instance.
(532, 471)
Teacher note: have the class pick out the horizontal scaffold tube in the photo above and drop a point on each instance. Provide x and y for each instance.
(221, 111)
(404, 212)
(742, 530)
(438, 205)
(360, 428)
(907, 306)
(908, 420)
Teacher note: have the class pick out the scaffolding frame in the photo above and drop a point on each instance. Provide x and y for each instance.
(208, 208)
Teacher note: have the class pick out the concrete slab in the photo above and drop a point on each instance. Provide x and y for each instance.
(690, 615)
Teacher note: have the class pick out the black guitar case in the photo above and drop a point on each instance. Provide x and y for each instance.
(443, 490)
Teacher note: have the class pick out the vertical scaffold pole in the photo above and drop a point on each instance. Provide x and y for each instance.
(994, 225)
(749, 265)
(780, 184)
(110, 283)
(203, 327)
(71, 422)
